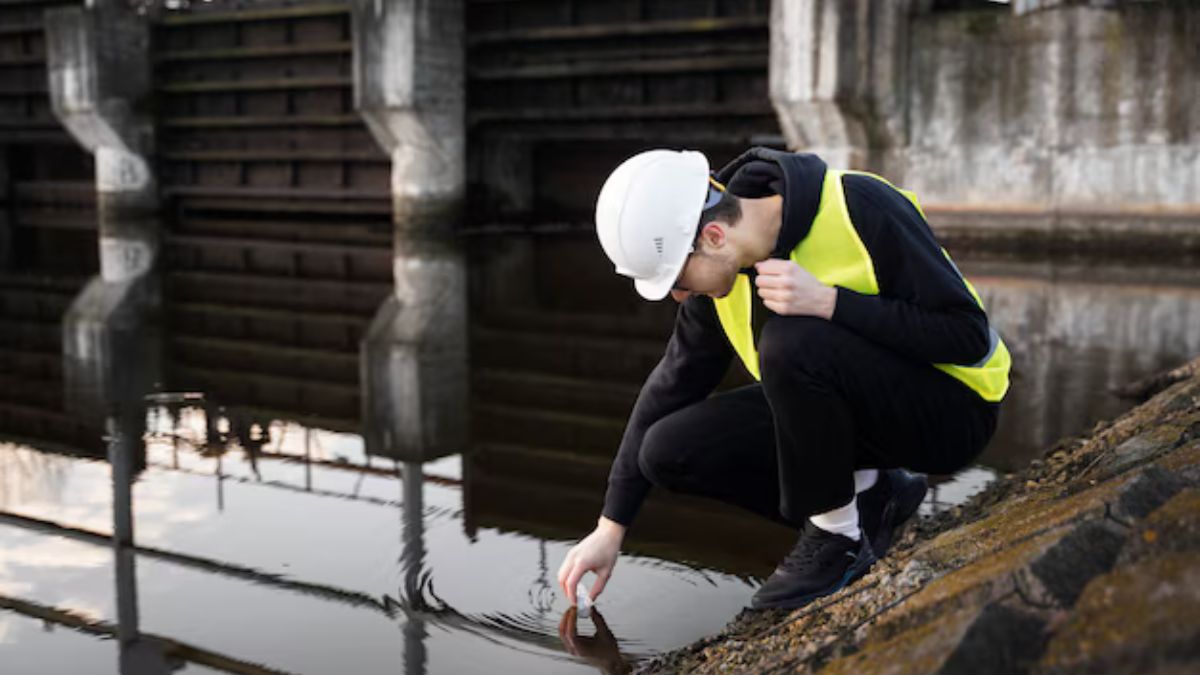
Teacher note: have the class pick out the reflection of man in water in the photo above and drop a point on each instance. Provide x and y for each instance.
(600, 650)
(870, 349)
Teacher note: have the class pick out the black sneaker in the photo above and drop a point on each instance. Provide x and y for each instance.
(820, 563)
(891, 501)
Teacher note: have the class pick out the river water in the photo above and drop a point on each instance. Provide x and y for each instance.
(267, 545)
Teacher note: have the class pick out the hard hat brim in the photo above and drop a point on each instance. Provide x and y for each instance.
(658, 287)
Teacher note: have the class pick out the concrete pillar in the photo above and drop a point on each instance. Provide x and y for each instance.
(837, 76)
(408, 87)
(99, 69)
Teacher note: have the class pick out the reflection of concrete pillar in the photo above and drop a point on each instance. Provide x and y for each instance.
(837, 76)
(6, 209)
(126, 454)
(412, 562)
(99, 68)
(408, 79)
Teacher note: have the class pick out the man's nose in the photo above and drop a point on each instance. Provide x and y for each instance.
(680, 296)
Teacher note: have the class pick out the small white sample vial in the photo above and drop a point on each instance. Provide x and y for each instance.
(583, 598)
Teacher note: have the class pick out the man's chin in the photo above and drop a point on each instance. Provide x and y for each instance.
(722, 295)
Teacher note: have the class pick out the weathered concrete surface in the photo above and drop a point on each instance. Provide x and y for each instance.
(1076, 108)
(1036, 574)
(838, 76)
(408, 88)
(1074, 122)
(1174, 528)
(1135, 620)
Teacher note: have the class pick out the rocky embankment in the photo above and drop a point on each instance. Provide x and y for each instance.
(1088, 561)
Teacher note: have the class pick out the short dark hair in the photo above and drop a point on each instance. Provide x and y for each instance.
(728, 210)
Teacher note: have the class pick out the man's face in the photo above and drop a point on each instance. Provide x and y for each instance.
(712, 268)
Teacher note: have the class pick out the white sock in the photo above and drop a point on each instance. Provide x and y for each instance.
(864, 479)
(843, 520)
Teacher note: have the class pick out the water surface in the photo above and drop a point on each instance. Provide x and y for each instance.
(259, 540)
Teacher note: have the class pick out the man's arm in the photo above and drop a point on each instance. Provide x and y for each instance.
(696, 359)
(923, 310)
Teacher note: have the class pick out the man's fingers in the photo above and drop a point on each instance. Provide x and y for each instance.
(562, 574)
(565, 568)
(771, 280)
(775, 294)
(573, 578)
(772, 266)
(601, 580)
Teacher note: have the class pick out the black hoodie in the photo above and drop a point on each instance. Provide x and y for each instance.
(923, 310)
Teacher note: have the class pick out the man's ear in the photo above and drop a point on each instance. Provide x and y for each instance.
(713, 233)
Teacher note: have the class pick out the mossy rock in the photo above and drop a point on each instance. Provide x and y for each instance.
(1141, 618)
(1017, 520)
(1173, 528)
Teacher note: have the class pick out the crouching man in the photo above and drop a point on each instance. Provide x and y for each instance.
(872, 354)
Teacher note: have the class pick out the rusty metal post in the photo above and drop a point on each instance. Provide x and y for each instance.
(99, 69)
(409, 89)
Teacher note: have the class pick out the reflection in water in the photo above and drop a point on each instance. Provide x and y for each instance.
(138, 656)
(600, 650)
(411, 565)
(1076, 332)
(413, 606)
(260, 540)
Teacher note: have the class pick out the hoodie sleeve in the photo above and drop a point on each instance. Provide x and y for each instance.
(696, 359)
(923, 310)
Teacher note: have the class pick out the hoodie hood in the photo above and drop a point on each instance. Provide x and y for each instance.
(797, 177)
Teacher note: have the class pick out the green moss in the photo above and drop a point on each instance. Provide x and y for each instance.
(921, 649)
(1016, 521)
(1136, 615)
(973, 585)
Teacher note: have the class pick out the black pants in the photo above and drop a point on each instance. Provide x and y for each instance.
(829, 402)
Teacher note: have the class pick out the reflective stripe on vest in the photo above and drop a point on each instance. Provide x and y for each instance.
(833, 252)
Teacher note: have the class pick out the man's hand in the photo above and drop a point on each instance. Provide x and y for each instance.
(596, 553)
(790, 290)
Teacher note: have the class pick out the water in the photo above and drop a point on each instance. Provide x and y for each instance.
(260, 540)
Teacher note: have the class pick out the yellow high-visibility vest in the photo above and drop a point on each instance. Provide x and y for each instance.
(833, 252)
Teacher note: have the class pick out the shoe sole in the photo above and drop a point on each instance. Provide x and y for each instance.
(860, 567)
(897, 512)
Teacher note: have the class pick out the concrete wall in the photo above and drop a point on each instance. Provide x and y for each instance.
(1048, 106)
(1075, 107)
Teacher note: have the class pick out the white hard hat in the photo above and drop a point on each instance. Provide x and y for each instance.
(647, 213)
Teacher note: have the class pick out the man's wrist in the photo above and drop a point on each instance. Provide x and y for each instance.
(610, 527)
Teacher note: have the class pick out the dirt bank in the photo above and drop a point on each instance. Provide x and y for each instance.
(1087, 561)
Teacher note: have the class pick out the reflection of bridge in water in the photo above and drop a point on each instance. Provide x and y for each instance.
(172, 445)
